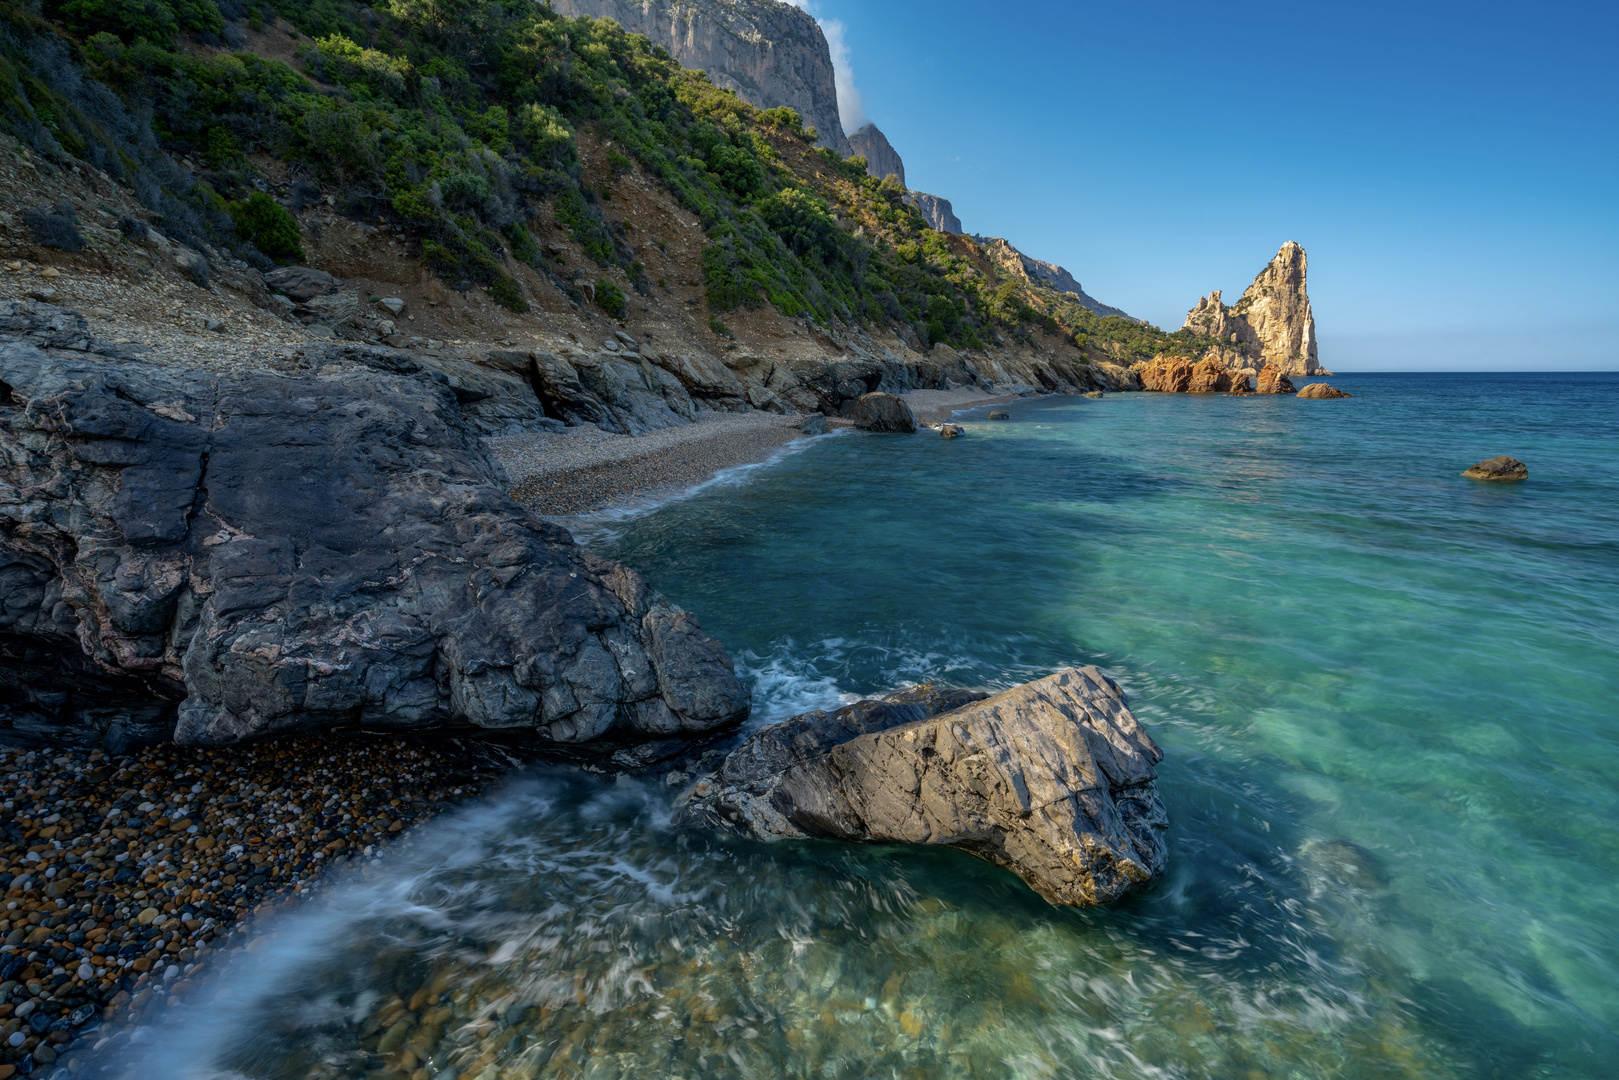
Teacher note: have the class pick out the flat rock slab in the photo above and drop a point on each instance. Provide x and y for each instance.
(1499, 469)
(1053, 780)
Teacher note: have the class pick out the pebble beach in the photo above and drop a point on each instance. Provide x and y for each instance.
(123, 876)
(585, 469)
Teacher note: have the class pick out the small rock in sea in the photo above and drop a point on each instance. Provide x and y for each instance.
(1000, 414)
(392, 304)
(951, 431)
(1318, 390)
(1501, 468)
(1093, 393)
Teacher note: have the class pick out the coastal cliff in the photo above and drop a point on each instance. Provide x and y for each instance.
(882, 159)
(772, 54)
(938, 212)
(1271, 325)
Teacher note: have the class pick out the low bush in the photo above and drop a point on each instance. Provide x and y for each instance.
(54, 230)
(268, 226)
(610, 298)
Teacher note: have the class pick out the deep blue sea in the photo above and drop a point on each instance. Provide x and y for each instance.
(1388, 696)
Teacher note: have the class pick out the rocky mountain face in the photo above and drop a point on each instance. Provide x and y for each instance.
(770, 53)
(1271, 325)
(1012, 261)
(219, 556)
(882, 159)
(938, 212)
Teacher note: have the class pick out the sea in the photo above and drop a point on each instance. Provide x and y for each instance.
(1388, 698)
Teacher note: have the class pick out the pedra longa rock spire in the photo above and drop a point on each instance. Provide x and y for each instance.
(1271, 325)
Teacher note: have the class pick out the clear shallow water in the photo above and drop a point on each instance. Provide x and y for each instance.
(1387, 696)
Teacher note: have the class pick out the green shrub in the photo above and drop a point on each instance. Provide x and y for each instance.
(718, 327)
(268, 225)
(610, 298)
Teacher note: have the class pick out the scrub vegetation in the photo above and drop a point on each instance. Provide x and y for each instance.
(455, 121)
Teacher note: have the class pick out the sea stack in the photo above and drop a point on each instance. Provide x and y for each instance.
(1271, 324)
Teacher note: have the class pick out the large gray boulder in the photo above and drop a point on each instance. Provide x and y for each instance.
(219, 557)
(883, 412)
(1053, 780)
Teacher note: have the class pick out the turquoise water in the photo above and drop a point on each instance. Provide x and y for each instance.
(1389, 699)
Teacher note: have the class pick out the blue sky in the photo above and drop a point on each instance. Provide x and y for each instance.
(1452, 170)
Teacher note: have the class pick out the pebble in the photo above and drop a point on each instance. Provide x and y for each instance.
(122, 875)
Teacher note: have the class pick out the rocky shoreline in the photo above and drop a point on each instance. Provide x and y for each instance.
(124, 876)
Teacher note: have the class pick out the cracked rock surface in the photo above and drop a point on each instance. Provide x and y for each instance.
(223, 557)
(1053, 780)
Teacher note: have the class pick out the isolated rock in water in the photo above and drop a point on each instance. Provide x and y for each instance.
(883, 412)
(1053, 780)
(1272, 381)
(1498, 468)
(951, 431)
(1178, 375)
(227, 557)
(1321, 390)
(301, 283)
(882, 160)
(999, 414)
(1272, 323)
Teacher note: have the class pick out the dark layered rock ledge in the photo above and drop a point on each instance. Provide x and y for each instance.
(220, 557)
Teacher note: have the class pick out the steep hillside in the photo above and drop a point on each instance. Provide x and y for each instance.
(514, 178)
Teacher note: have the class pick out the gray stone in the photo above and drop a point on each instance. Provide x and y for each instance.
(332, 308)
(192, 265)
(393, 305)
(1502, 468)
(951, 431)
(224, 557)
(1053, 780)
(301, 283)
(884, 412)
(813, 424)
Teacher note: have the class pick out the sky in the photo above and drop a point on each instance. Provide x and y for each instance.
(1452, 170)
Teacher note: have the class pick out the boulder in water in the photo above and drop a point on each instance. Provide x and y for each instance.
(1000, 414)
(1272, 381)
(1320, 390)
(1502, 469)
(1053, 780)
(884, 412)
(951, 431)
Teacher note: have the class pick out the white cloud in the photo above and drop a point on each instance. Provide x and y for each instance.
(851, 109)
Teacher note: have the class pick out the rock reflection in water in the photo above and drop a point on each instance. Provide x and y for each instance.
(563, 930)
